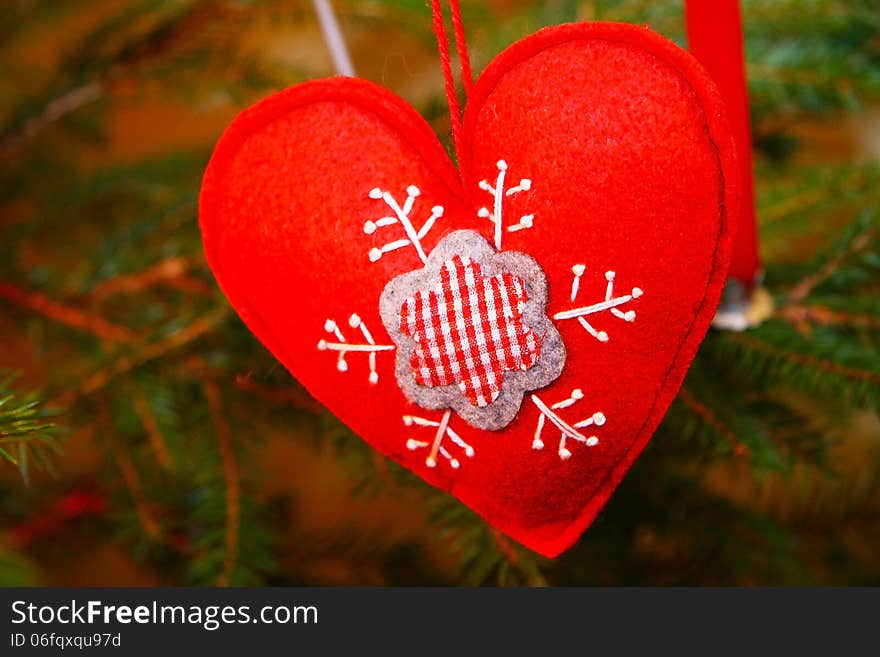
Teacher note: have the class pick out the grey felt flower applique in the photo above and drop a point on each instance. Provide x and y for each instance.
(471, 330)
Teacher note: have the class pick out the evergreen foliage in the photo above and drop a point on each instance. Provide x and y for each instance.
(765, 471)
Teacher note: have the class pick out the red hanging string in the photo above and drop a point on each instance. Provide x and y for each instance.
(446, 64)
(467, 76)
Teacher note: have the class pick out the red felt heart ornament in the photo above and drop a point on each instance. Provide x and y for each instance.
(515, 333)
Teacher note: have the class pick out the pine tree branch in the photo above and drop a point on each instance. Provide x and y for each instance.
(18, 569)
(25, 436)
(843, 371)
(383, 474)
(135, 36)
(793, 204)
(291, 396)
(803, 289)
(126, 363)
(712, 420)
(135, 486)
(814, 187)
(67, 315)
(231, 479)
(170, 271)
(802, 316)
(151, 426)
(509, 559)
(53, 111)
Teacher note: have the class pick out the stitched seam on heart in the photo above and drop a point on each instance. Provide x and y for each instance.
(689, 74)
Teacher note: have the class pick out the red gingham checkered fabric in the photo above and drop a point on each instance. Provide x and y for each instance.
(470, 331)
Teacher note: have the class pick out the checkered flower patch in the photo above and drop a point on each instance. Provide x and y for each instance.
(469, 331)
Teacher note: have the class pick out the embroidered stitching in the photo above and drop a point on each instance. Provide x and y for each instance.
(469, 328)
(443, 431)
(566, 430)
(402, 216)
(343, 347)
(499, 193)
(469, 331)
(610, 303)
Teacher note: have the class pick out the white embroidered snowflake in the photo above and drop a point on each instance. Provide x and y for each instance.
(566, 430)
(436, 445)
(610, 304)
(402, 216)
(447, 445)
(343, 347)
(499, 193)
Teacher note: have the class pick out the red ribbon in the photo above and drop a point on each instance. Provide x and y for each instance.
(715, 38)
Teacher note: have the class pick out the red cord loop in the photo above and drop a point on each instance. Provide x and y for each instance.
(467, 77)
(446, 64)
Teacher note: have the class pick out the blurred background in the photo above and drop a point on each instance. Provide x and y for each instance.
(146, 438)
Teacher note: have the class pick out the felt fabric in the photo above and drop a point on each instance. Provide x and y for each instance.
(632, 187)
(549, 357)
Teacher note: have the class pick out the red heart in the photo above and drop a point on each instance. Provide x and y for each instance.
(631, 170)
